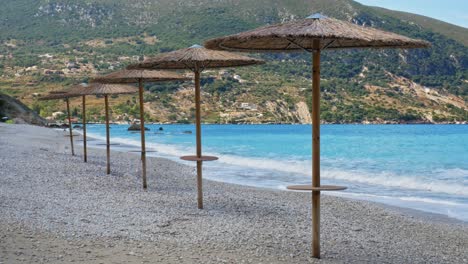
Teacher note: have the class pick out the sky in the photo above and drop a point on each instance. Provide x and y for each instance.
(452, 11)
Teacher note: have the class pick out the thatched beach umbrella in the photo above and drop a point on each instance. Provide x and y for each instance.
(196, 59)
(58, 95)
(76, 90)
(140, 77)
(58, 92)
(106, 90)
(313, 34)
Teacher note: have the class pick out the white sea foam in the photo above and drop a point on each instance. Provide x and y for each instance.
(387, 179)
(392, 180)
(403, 199)
(164, 149)
(432, 201)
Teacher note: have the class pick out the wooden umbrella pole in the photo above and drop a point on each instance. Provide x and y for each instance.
(85, 152)
(142, 130)
(316, 149)
(106, 101)
(199, 148)
(70, 126)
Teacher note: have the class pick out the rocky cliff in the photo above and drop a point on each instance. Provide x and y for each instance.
(19, 112)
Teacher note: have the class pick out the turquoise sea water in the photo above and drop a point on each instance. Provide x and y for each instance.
(417, 166)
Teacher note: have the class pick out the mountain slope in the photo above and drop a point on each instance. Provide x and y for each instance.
(27, 19)
(49, 43)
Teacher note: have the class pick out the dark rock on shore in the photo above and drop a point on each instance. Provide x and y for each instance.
(53, 126)
(136, 127)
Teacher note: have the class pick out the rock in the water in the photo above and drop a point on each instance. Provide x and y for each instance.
(161, 128)
(53, 125)
(136, 127)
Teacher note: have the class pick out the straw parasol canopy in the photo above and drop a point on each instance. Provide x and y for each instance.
(313, 34)
(57, 95)
(73, 91)
(58, 92)
(196, 58)
(297, 36)
(105, 90)
(78, 89)
(134, 76)
(140, 76)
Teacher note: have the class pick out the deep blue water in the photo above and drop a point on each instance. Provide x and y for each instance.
(417, 166)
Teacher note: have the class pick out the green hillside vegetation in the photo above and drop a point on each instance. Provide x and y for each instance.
(82, 37)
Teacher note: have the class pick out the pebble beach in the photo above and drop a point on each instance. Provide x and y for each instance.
(54, 208)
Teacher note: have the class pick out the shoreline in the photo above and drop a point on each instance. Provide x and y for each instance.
(59, 201)
(292, 124)
(411, 211)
